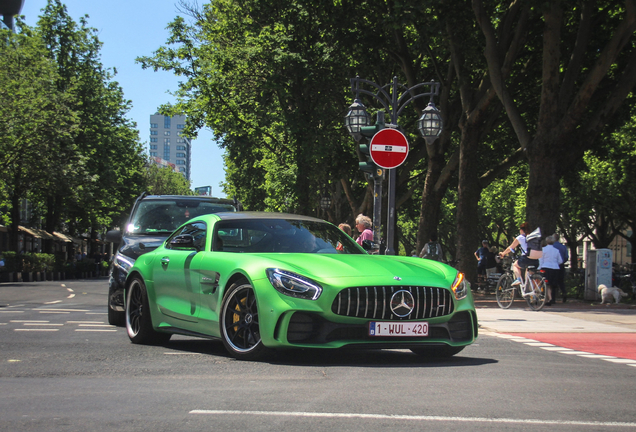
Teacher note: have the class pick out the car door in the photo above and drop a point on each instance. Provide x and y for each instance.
(176, 278)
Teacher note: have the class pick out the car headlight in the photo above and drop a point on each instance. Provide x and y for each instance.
(460, 287)
(293, 284)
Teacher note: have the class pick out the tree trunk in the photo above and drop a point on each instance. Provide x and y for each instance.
(469, 191)
(544, 186)
(431, 201)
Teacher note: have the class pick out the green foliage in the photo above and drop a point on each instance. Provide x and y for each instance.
(28, 262)
(165, 181)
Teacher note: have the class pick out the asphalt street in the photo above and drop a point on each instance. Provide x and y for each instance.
(63, 368)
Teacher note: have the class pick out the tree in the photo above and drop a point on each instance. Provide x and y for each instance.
(165, 181)
(588, 69)
(38, 126)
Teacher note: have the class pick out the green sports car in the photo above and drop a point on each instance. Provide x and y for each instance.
(265, 281)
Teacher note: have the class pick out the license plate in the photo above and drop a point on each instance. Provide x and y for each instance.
(398, 329)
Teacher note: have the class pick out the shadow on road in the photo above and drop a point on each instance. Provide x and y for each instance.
(333, 357)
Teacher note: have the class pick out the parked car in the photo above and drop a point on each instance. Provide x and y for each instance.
(152, 219)
(264, 281)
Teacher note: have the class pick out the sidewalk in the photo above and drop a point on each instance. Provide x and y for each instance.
(574, 316)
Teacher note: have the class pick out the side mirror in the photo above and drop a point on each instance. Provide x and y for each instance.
(370, 246)
(113, 236)
(183, 241)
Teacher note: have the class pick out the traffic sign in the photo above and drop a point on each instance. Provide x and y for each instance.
(389, 148)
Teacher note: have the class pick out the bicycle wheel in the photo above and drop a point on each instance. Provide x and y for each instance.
(505, 292)
(536, 301)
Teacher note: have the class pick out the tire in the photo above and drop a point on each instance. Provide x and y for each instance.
(239, 323)
(116, 318)
(504, 291)
(537, 300)
(437, 352)
(138, 320)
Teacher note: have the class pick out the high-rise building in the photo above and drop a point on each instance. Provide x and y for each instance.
(167, 146)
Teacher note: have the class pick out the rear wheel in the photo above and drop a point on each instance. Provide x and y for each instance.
(437, 352)
(505, 292)
(536, 301)
(240, 323)
(138, 321)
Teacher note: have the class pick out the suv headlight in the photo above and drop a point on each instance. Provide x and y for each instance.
(293, 284)
(460, 286)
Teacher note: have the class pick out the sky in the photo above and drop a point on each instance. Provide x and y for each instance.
(127, 30)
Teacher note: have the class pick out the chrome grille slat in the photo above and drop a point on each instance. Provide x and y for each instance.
(374, 302)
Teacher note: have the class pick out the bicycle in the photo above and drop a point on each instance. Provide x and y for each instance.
(532, 288)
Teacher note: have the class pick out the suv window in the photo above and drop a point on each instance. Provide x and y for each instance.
(196, 229)
(164, 216)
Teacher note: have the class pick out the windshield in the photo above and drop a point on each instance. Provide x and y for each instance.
(164, 216)
(282, 235)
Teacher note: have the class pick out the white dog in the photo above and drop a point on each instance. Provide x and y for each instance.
(608, 293)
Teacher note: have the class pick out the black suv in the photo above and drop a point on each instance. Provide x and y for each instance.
(152, 219)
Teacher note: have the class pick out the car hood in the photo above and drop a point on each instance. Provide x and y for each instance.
(374, 269)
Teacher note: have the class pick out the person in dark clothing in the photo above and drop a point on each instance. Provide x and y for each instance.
(482, 261)
(565, 255)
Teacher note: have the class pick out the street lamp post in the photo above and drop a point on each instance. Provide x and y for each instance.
(429, 124)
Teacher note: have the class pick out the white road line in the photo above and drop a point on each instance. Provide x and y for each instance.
(70, 296)
(538, 344)
(95, 325)
(66, 310)
(414, 417)
(94, 330)
(54, 302)
(8, 311)
(43, 324)
(28, 321)
(53, 312)
(620, 360)
(28, 329)
(84, 322)
(598, 356)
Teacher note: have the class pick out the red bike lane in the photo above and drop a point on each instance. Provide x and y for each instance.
(621, 345)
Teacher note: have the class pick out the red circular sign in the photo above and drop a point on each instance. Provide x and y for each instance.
(389, 148)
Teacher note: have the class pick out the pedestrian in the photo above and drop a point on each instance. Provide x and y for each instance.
(491, 262)
(565, 256)
(482, 260)
(363, 225)
(345, 228)
(432, 250)
(549, 263)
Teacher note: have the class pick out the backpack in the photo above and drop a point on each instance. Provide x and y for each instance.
(432, 251)
(533, 242)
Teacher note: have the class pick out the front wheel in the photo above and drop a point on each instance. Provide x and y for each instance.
(536, 300)
(505, 292)
(240, 323)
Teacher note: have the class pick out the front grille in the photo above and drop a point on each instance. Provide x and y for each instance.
(375, 302)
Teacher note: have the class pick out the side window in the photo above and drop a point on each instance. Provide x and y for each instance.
(197, 230)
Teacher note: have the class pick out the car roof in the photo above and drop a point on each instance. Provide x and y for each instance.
(188, 198)
(263, 215)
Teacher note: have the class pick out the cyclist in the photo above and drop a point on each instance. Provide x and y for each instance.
(530, 256)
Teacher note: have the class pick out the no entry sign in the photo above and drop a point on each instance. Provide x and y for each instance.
(389, 148)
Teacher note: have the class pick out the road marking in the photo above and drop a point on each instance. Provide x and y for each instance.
(43, 324)
(54, 302)
(84, 322)
(71, 296)
(53, 312)
(95, 325)
(414, 417)
(8, 311)
(66, 310)
(29, 321)
(561, 350)
(94, 330)
(28, 329)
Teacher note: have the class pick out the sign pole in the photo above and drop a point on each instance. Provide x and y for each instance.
(390, 224)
